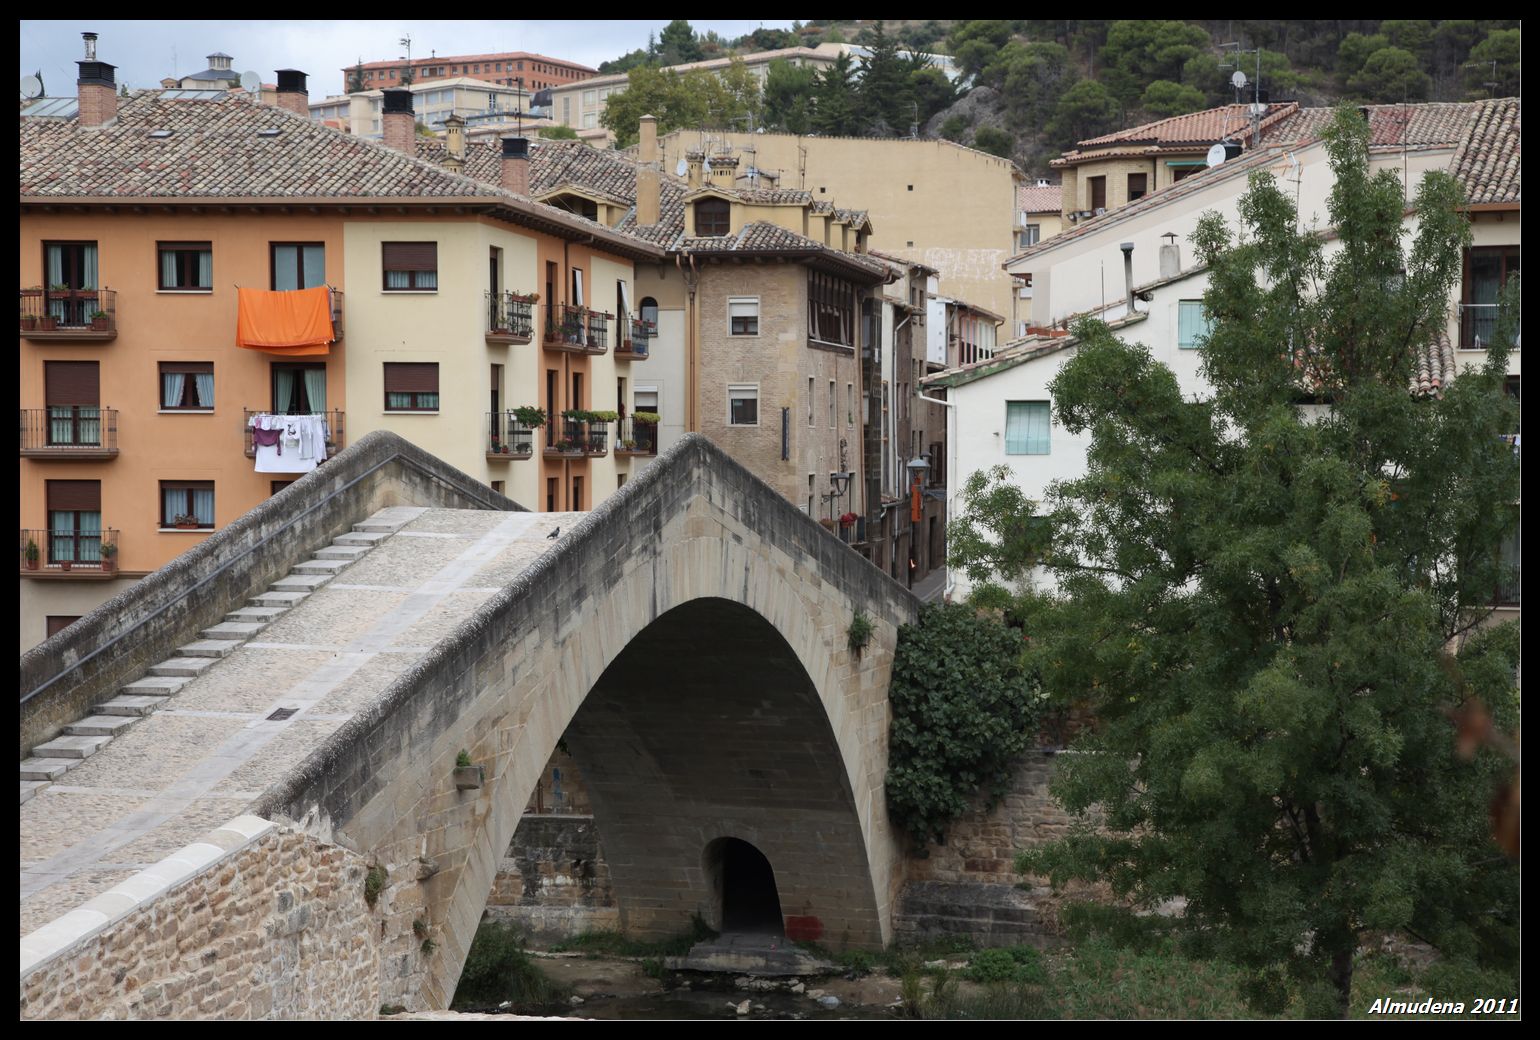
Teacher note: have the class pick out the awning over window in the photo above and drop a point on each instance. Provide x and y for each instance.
(297, 322)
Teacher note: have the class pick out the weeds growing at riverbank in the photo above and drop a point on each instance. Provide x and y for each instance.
(497, 970)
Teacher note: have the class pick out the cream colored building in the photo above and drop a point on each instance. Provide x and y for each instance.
(474, 100)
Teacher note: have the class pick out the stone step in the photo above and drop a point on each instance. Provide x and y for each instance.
(183, 666)
(212, 648)
(154, 686)
(71, 747)
(100, 725)
(46, 768)
(342, 552)
(235, 630)
(277, 599)
(129, 705)
(364, 538)
(320, 566)
(30, 788)
(301, 582)
(256, 614)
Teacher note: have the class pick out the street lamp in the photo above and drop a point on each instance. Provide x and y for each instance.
(917, 468)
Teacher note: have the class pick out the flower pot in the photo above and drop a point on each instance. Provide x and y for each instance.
(109, 564)
(65, 565)
(29, 322)
(469, 778)
(48, 323)
(32, 565)
(100, 324)
(186, 527)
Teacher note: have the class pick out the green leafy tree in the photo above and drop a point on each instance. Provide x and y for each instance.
(1139, 51)
(654, 91)
(974, 43)
(789, 96)
(356, 77)
(677, 44)
(835, 111)
(885, 95)
(932, 92)
(1085, 110)
(1036, 76)
(1164, 98)
(559, 133)
(1391, 75)
(1410, 34)
(1261, 603)
(994, 141)
(1505, 46)
(626, 62)
(1355, 49)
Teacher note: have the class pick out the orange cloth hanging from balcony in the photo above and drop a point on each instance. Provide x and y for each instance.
(295, 323)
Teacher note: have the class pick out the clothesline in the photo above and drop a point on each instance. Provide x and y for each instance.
(288, 443)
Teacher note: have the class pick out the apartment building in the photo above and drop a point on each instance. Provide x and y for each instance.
(146, 220)
(948, 206)
(508, 68)
(433, 101)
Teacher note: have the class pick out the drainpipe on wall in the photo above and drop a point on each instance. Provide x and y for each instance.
(1128, 274)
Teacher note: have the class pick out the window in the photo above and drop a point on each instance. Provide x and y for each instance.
(72, 281)
(1026, 428)
(713, 218)
(1138, 185)
(850, 404)
(1029, 236)
(1098, 187)
(59, 622)
(812, 396)
(1192, 327)
(410, 266)
(830, 312)
(299, 388)
(1487, 270)
(831, 404)
(187, 386)
(74, 520)
(743, 406)
(186, 266)
(72, 391)
(743, 315)
(411, 387)
(182, 500)
(1512, 559)
(298, 265)
(277, 486)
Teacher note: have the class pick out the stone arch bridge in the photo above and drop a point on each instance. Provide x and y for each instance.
(688, 638)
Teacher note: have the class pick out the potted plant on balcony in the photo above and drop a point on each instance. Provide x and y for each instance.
(468, 775)
(109, 558)
(28, 321)
(99, 321)
(185, 522)
(572, 327)
(529, 416)
(31, 553)
(496, 448)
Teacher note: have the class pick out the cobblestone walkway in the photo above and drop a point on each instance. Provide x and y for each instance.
(211, 751)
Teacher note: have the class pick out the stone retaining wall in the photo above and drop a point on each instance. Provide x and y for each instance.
(554, 883)
(253, 923)
(62, 677)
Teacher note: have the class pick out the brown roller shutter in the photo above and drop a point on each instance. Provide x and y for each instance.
(411, 256)
(411, 378)
(189, 367)
(72, 382)
(83, 496)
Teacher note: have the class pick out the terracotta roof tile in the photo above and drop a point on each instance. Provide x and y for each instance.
(1489, 162)
(1039, 200)
(1435, 367)
(1195, 128)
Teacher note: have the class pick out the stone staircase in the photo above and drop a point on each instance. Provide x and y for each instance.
(80, 740)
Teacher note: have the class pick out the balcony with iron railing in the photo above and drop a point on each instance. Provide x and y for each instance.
(510, 317)
(596, 438)
(564, 439)
(635, 437)
(78, 553)
(566, 328)
(337, 300)
(507, 438)
(598, 332)
(81, 315)
(1508, 588)
(632, 340)
(1478, 325)
(69, 431)
(334, 429)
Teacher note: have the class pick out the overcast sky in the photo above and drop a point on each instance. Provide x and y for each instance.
(147, 51)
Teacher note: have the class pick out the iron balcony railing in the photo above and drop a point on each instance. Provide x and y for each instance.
(598, 332)
(636, 438)
(80, 312)
(565, 326)
(337, 311)
(564, 437)
(596, 438)
(1478, 325)
(69, 431)
(1508, 588)
(509, 438)
(334, 428)
(633, 338)
(68, 550)
(510, 315)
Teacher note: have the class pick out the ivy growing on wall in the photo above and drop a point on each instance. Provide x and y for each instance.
(964, 707)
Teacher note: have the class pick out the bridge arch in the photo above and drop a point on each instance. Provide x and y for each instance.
(692, 566)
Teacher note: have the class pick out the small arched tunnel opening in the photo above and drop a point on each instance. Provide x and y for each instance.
(743, 883)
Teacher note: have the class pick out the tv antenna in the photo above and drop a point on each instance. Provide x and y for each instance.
(1490, 84)
(31, 87)
(1238, 81)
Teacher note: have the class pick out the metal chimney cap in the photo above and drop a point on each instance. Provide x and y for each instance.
(397, 100)
(515, 148)
(1127, 247)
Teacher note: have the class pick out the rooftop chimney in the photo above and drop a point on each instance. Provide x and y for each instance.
(648, 189)
(724, 170)
(398, 124)
(692, 161)
(1128, 272)
(292, 94)
(98, 91)
(515, 171)
(1170, 256)
(454, 144)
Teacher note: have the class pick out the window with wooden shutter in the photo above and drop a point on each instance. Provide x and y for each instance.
(74, 520)
(187, 503)
(411, 386)
(185, 266)
(410, 266)
(73, 392)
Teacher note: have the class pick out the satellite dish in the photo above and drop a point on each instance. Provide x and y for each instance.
(31, 87)
(251, 83)
(1216, 155)
(1238, 81)
(681, 168)
(706, 166)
